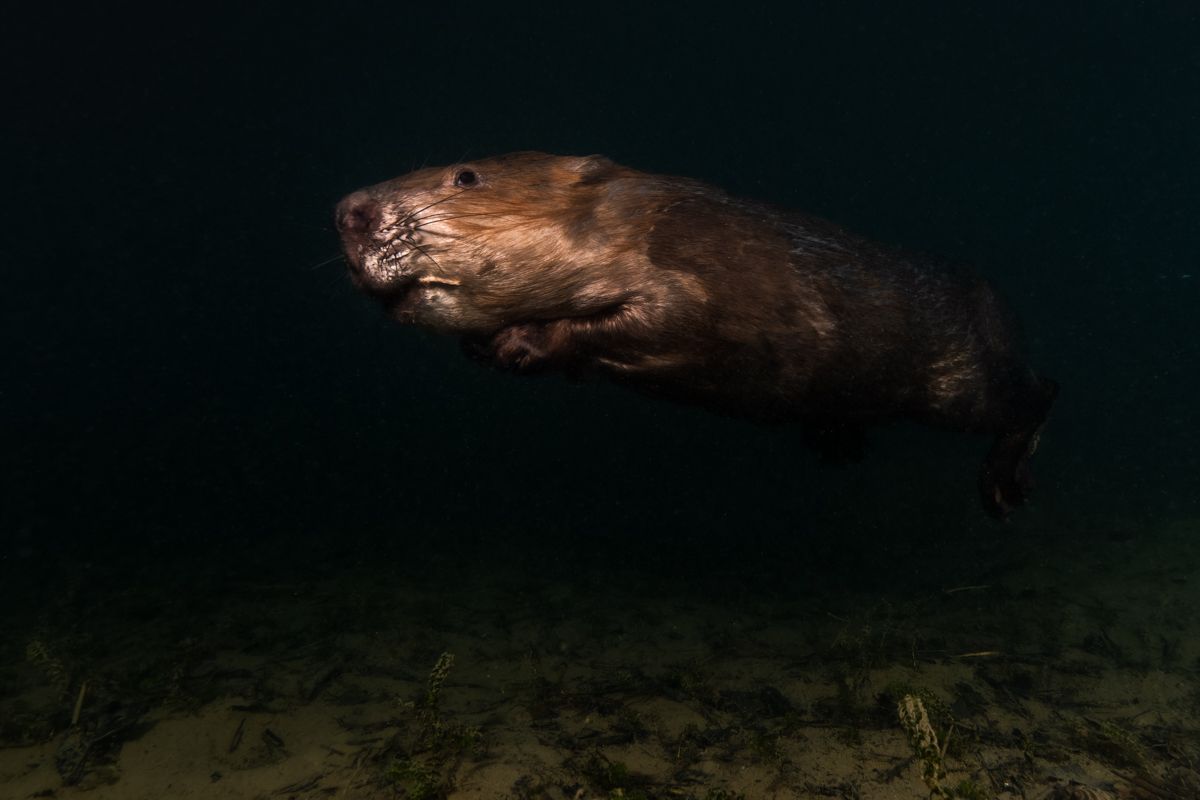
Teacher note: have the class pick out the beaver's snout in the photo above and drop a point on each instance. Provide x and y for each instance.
(356, 213)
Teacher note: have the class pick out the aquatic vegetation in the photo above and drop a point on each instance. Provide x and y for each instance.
(40, 655)
(924, 741)
(437, 676)
(941, 718)
(430, 751)
(416, 780)
(930, 748)
(432, 732)
(666, 723)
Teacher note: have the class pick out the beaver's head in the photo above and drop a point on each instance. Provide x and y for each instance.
(474, 247)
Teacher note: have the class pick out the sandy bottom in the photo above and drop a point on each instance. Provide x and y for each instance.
(1053, 670)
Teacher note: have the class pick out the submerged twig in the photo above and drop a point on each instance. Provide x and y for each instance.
(78, 704)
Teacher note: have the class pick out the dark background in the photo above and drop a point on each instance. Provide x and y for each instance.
(181, 376)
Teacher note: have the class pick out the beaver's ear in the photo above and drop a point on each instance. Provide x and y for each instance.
(592, 169)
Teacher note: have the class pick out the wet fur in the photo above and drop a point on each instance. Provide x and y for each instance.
(681, 291)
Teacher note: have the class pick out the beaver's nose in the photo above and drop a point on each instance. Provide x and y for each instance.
(356, 213)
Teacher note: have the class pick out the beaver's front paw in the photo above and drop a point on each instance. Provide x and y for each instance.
(524, 348)
(521, 348)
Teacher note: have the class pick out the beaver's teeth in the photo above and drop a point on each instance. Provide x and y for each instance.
(434, 280)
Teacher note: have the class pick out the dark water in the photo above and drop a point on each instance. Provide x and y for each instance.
(186, 392)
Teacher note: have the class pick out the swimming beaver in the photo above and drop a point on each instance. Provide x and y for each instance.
(673, 287)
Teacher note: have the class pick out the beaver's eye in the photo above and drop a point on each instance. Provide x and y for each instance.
(466, 178)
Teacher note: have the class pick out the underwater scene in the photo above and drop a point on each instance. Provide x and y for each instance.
(686, 403)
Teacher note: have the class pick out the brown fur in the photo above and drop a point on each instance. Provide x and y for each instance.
(671, 286)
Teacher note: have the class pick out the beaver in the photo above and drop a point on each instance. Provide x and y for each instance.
(671, 286)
